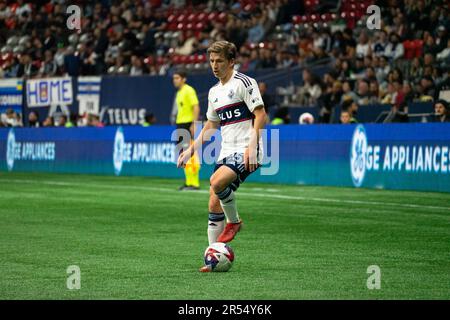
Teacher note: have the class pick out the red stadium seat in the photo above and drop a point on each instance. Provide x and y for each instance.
(223, 17)
(181, 18)
(172, 26)
(409, 50)
(191, 59)
(212, 16)
(314, 18)
(199, 26)
(183, 59)
(192, 18)
(201, 17)
(172, 18)
(296, 19)
(176, 59)
(418, 47)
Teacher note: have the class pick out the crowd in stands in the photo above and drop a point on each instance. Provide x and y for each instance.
(406, 60)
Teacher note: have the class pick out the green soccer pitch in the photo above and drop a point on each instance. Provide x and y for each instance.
(139, 238)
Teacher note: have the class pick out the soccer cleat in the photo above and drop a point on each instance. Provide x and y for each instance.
(183, 187)
(205, 269)
(229, 232)
(191, 188)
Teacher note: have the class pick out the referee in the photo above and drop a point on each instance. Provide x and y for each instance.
(185, 111)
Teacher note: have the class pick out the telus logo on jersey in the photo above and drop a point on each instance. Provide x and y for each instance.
(234, 113)
(229, 114)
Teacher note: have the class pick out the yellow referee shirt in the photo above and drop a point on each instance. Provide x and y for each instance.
(186, 99)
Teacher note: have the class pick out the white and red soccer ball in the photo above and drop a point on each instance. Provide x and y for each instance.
(219, 257)
(306, 118)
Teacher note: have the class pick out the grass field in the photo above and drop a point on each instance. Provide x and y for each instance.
(138, 238)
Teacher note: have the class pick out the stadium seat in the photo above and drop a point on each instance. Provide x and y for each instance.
(418, 47)
(409, 49)
(199, 26)
(192, 18)
(296, 19)
(222, 17)
(212, 16)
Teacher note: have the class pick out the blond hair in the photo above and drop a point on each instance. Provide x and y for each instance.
(226, 49)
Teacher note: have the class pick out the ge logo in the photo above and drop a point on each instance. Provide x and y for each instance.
(119, 146)
(74, 20)
(10, 149)
(374, 20)
(358, 155)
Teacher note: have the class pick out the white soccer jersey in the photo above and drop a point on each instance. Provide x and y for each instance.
(232, 105)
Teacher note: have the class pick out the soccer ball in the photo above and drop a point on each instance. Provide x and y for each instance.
(219, 257)
(306, 118)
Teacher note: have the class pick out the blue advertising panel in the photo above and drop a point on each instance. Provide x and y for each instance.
(393, 156)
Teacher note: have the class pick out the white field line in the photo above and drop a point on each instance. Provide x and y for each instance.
(246, 194)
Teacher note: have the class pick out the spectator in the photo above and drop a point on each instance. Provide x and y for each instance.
(94, 121)
(427, 89)
(11, 119)
(416, 69)
(363, 47)
(64, 122)
(346, 117)
(329, 101)
(282, 116)
(444, 54)
(308, 94)
(362, 93)
(441, 111)
(374, 92)
(150, 120)
(394, 49)
(48, 122)
(256, 32)
(268, 100)
(352, 108)
(137, 67)
(379, 47)
(48, 67)
(33, 119)
(26, 67)
(347, 92)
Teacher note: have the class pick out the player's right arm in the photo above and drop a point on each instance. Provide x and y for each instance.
(205, 135)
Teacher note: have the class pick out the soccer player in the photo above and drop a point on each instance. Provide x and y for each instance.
(187, 110)
(234, 104)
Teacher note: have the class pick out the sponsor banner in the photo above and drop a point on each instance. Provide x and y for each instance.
(49, 91)
(88, 95)
(11, 95)
(391, 156)
(28, 151)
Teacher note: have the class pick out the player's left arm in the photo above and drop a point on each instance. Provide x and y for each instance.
(251, 154)
(255, 104)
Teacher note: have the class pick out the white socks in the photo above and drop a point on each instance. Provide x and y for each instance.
(216, 224)
(228, 204)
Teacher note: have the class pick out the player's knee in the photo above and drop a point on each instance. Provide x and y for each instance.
(215, 184)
